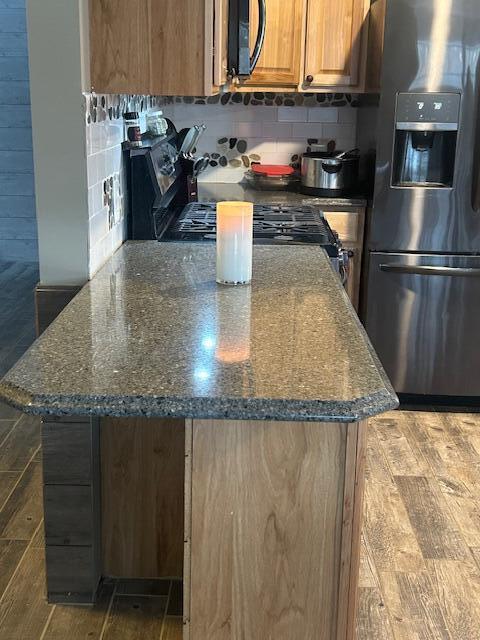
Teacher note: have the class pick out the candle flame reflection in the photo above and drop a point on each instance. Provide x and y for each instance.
(234, 310)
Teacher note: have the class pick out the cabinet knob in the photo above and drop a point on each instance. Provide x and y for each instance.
(309, 79)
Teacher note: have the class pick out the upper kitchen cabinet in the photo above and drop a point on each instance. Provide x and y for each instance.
(158, 47)
(336, 43)
(280, 63)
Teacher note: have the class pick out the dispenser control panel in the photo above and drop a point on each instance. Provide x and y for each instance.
(428, 107)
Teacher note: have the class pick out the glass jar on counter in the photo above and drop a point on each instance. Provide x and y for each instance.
(133, 132)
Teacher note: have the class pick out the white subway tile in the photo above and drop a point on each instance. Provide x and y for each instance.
(291, 147)
(92, 170)
(98, 226)
(256, 114)
(347, 115)
(113, 161)
(261, 145)
(97, 199)
(292, 114)
(248, 129)
(323, 114)
(308, 130)
(277, 130)
(344, 131)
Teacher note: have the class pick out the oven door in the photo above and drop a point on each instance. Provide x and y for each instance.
(241, 63)
(423, 320)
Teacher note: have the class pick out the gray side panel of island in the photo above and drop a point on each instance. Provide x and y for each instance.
(72, 495)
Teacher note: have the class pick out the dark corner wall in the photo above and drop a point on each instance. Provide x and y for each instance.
(18, 229)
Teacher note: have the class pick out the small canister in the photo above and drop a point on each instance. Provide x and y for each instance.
(156, 123)
(133, 132)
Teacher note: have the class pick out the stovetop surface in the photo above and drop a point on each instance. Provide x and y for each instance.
(272, 224)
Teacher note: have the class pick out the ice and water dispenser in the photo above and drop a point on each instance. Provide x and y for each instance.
(426, 131)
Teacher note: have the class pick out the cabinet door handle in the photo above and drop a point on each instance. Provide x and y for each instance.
(262, 27)
(309, 79)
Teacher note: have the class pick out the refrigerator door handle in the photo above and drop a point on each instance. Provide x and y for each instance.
(429, 270)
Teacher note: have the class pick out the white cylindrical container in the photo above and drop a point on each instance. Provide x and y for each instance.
(234, 242)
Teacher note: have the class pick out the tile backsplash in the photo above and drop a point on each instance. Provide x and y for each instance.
(267, 131)
(106, 174)
(241, 129)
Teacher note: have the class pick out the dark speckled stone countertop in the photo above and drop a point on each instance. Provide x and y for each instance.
(153, 335)
(215, 192)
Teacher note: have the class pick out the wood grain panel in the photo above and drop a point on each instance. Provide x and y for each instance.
(120, 46)
(181, 36)
(267, 507)
(22, 512)
(334, 40)
(436, 532)
(350, 226)
(72, 574)
(23, 608)
(415, 611)
(458, 586)
(82, 623)
(135, 618)
(142, 486)
(373, 621)
(281, 58)
(10, 553)
(220, 62)
(68, 515)
(64, 446)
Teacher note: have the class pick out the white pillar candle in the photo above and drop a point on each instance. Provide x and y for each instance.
(234, 242)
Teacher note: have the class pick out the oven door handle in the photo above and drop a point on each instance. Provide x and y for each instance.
(430, 270)
(262, 27)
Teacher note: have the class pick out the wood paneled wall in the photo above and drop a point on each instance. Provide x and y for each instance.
(143, 462)
(18, 230)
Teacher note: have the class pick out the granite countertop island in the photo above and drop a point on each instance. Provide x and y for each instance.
(210, 433)
(154, 335)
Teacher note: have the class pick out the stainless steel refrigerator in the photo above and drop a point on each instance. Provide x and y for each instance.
(423, 290)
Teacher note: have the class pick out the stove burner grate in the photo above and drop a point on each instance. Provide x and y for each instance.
(268, 221)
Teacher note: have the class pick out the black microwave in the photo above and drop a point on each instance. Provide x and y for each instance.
(241, 61)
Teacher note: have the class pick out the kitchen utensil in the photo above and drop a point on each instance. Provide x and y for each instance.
(329, 174)
(200, 165)
(343, 154)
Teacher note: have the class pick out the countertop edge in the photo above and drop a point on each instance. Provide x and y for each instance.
(201, 407)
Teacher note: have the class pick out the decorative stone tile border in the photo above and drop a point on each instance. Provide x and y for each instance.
(100, 107)
(270, 99)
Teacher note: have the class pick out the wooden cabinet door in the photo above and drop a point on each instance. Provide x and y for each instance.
(220, 42)
(156, 47)
(181, 35)
(280, 61)
(350, 228)
(333, 42)
(119, 46)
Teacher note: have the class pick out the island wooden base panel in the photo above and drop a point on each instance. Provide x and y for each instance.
(417, 580)
(262, 519)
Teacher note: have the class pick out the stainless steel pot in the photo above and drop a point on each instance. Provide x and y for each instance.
(326, 174)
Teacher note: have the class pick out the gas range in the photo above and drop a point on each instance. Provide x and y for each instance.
(272, 224)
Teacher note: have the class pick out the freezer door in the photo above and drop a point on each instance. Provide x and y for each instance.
(423, 318)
